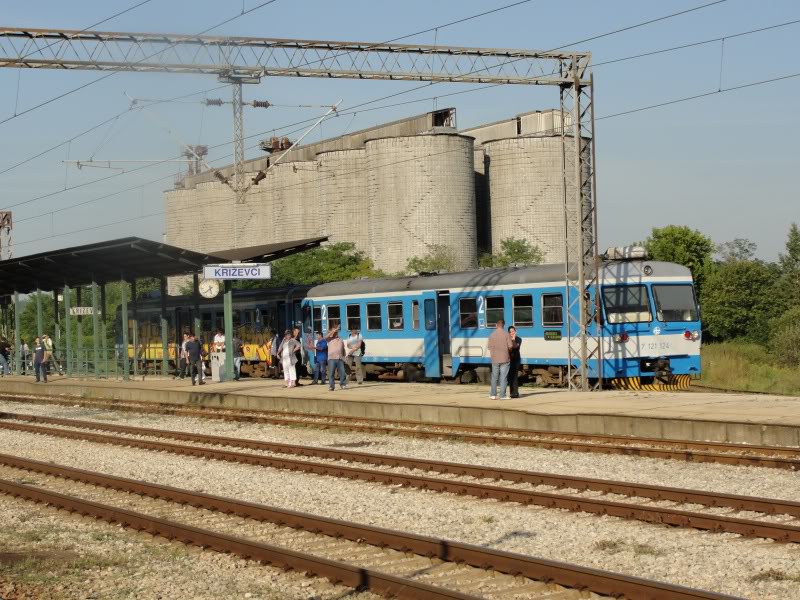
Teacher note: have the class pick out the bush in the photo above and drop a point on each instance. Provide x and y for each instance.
(785, 338)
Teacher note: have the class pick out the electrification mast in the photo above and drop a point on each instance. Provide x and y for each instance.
(240, 60)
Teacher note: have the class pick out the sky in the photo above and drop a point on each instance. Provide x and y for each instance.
(724, 164)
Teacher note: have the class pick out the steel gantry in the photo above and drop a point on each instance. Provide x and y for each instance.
(239, 60)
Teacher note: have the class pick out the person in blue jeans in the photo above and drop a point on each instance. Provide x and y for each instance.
(500, 346)
(336, 354)
(320, 349)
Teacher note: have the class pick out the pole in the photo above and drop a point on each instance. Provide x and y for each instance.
(56, 327)
(103, 330)
(228, 316)
(79, 297)
(68, 324)
(95, 326)
(126, 363)
(135, 329)
(238, 156)
(164, 328)
(198, 323)
(39, 325)
(17, 336)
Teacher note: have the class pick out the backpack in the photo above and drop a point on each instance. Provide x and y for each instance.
(363, 347)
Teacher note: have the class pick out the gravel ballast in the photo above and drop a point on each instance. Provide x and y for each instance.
(719, 562)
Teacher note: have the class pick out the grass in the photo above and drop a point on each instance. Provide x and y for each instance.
(774, 575)
(746, 367)
(615, 546)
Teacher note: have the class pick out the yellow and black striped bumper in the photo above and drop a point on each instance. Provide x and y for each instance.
(675, 383)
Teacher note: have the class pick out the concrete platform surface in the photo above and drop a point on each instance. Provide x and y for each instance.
(743, 418)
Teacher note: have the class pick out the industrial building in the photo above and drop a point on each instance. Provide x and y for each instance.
(393, 190)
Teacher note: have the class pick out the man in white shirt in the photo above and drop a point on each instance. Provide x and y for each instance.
(219, 341)
(354, 353)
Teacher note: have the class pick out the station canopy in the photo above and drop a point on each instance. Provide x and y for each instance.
(128, 258)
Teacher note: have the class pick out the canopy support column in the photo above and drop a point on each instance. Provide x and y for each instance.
(103, 330)
(164, 328)
(96, 327)
(39, 325)
(17, 336)
(56, 329)
(228, 317)
(123, 292)
(68, 325)
(135, 328)
(198, 323)
(78, 363)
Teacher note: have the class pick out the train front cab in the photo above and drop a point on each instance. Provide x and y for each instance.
(651, 326)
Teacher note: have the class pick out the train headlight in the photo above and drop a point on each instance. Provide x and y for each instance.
(695, 335)
(621, 338)
(687, 335)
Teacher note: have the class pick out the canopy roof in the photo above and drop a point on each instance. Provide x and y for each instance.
(128, 258)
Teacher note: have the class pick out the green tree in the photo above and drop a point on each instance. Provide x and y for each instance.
(335, 262)
(682, 245)
(788, 285)
(736, 300)
(439, 258)
(514, 251)
(785, 338)
(737, 249)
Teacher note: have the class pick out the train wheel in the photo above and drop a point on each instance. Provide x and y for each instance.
(410, 372)
(467, 377)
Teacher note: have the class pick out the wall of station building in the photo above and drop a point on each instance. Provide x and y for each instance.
(394, 191)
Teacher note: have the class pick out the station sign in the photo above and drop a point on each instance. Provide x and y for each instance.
(81, 311)
(238, 271)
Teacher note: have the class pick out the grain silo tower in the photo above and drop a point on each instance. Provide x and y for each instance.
(526, 192)
(295, 200)
(212, 220)
(255, 222)
(421, 194)
(343, 199)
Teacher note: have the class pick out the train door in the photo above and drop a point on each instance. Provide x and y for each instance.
(432, 357)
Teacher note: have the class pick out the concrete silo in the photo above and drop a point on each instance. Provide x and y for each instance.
(212, 210)
(421, 194)
(526, 192)
(255, 222)
(292, 188)
(344, 211)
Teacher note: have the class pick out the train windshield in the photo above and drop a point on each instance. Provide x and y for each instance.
(627, 304)
(675, 303)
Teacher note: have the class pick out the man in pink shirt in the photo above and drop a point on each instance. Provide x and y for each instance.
(500, 345)
(336, 354)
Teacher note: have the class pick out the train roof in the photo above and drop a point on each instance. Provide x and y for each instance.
(612, 270)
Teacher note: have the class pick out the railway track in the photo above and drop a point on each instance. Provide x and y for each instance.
(778, 457)
(392, 563)
(464, 479)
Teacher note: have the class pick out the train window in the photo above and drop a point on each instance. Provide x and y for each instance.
(552, 310)
(627, 304)
(495, 309)
(415, 314)
(318, 325)
(468, 313)
(334, 316)
(675, 303)
(353, 317)
(395, 314)
(523, 311)
(307, 323)
(430, 314)
(373, 316)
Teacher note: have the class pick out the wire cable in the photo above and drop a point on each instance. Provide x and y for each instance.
(104, 77)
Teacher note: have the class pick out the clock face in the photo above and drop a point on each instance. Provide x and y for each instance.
(209, 288)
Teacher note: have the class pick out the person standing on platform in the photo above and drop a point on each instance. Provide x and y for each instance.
(516, 361)
(50, 354)
(354, 343)
(24, 353)
(5, 351)
(500, 351)
(238, 353)
(300, 354)
(336, 354)
(39, 360)
(273, 351)
(184, 357)
(288, 353)
(320, 348)
(194, 351)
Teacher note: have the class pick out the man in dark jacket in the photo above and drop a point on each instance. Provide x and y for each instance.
(516, 360)
(39, 360)
(5, 351)
(194, 350)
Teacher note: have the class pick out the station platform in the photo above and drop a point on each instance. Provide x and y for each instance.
(693, 415)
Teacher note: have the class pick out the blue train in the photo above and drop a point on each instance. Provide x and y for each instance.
(437, 326)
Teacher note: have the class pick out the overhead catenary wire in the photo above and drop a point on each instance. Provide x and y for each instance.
(609, 116)
(350, 111)
(104, 77)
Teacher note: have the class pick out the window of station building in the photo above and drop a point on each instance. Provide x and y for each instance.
(627, 304)
(334, 316)
(353, 317)
(395, 314)
(552, 310)
(495, 309)
(373, 316)
(415, 314)
(468, 313)
(523, 311)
